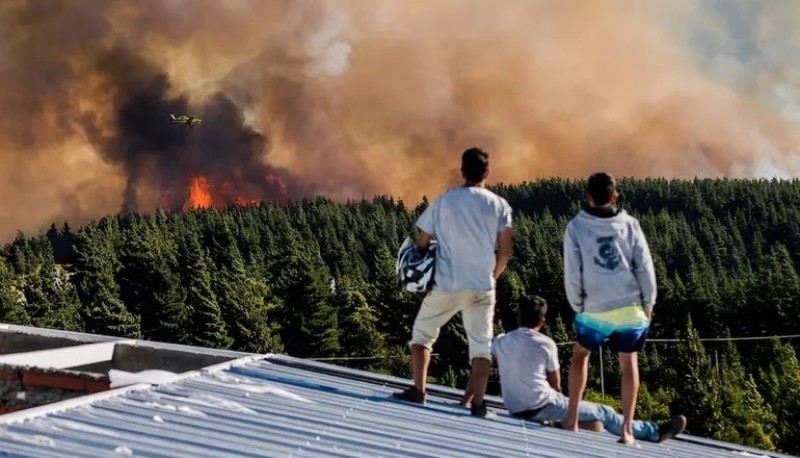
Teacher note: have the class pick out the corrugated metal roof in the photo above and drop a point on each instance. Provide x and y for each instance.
(278, 406)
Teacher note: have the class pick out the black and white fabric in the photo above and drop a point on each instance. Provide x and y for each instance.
(415, 267)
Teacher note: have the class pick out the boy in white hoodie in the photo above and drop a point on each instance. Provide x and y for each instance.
(611, 285)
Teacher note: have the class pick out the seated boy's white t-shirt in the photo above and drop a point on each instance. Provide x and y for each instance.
(524, 357)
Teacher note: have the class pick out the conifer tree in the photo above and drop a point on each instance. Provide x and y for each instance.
(509, 290)
(206, 326)
(556, 329)
(696, 382)
(309, 321)
(780, 385)
(149, 285)
(102, 310)
(359, 333)
(245, 302)
(12, 305)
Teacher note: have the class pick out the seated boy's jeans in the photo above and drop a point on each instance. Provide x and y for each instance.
(590, 411)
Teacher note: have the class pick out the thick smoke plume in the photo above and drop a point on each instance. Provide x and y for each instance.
(348, 98)
(223, 160)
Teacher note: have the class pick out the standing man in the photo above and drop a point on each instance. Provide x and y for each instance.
(467, 222)
(610, 283)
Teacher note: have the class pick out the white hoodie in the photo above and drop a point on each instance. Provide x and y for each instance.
(607, 263)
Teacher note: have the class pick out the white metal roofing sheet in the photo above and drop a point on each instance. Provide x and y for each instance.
(280, 406)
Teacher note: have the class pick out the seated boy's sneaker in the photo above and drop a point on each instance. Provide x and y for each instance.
(410, 395)
(671, 429)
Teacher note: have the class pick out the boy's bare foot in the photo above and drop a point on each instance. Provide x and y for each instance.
(570, 425)
(626, 439)
(629, 441)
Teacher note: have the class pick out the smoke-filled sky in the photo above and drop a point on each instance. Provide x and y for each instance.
(351, 98)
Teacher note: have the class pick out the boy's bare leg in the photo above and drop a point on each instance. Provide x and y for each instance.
(578, 373)
(629, 365)
(478, 380)
(467, 398)
(420, 359)
(596, 426)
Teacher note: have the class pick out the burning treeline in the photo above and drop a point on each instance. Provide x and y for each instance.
(354, 97)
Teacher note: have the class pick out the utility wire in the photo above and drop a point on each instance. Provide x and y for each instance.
(712, 339)
(360, 358)
(707, 339)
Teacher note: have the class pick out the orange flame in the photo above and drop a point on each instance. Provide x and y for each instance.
(199, 195)
(241, 201)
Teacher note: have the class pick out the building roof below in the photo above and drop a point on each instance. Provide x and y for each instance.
(281, 406)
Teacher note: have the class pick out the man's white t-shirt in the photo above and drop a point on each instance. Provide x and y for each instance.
(465, 222)
(524, 357)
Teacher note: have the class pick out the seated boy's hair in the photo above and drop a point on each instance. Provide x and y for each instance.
(601, 188)
(531, 310)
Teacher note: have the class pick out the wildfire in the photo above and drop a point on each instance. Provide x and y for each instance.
(199, 195)
(241, 201)
(204, 194)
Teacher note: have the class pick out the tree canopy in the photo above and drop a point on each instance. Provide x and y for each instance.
(315, 278)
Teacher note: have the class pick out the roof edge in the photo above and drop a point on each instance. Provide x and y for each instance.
(7, 327)
(34, 412)
(219, 367)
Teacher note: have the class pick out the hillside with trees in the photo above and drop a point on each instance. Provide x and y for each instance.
(316, 279)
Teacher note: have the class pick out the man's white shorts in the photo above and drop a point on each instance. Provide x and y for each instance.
(477, 312)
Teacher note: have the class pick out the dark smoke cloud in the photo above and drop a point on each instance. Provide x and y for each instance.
(355, 97)
(145, 144)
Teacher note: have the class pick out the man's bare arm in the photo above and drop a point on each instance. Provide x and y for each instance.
(554, 379)
(503, 252)
(423, 239)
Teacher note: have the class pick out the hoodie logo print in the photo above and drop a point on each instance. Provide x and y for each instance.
(609, 256)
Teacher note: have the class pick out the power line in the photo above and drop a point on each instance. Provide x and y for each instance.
(706, 339)
(730, 339)
(360, 358)
(712, 339)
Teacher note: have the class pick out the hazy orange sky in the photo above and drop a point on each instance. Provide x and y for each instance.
(346, 98)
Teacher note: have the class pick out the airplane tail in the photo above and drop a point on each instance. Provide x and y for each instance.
(172, 116)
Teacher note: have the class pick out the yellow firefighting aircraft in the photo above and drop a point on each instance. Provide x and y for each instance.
(190, 121)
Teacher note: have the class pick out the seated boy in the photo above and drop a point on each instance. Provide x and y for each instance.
(530, 381)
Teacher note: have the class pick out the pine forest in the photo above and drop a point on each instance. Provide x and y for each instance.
(316, 279)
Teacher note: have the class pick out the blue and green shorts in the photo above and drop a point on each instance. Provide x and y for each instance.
(625, 329)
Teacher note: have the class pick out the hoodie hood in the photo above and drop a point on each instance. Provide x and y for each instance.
(603, 212)
(604, 220)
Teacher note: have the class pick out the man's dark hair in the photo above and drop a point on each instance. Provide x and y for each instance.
(601, 188)
(531, 310)
(474, 164)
